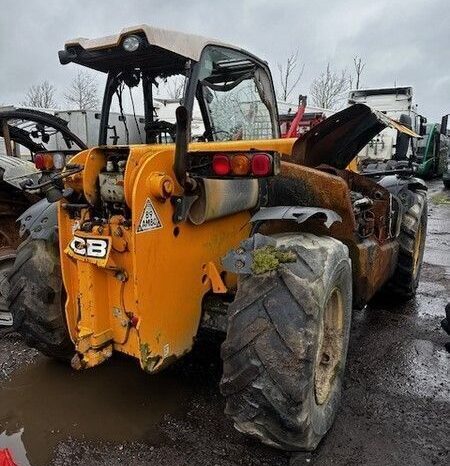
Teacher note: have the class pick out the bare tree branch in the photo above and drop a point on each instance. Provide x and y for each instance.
(359, 68)
(290, 75)
(329, 88)
(174, 87)
(82, 92)
(40, 96)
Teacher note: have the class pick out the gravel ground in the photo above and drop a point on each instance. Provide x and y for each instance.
(14, 354)
(395, 408)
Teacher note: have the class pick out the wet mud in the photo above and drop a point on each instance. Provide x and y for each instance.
(395, 407)
(48, 402)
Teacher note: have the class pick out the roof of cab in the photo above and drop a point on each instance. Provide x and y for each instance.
(185, 45)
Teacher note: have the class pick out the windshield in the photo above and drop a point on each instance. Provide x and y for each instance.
(139, 107)
(235, 96)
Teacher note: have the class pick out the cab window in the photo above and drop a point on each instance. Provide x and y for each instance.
(235, 95)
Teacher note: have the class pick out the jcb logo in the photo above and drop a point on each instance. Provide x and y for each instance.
(89, 247)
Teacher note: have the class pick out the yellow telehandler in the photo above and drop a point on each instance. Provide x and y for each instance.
(270, 241)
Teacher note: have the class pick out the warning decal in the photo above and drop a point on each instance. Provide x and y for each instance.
(149, 219)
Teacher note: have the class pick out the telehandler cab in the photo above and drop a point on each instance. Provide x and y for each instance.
(270, 241)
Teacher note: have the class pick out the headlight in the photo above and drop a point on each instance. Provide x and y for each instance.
(131, 43)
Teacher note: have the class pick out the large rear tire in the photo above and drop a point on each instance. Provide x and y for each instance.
(9, 240)
(403, 284)
(36, 299)
(286, 345)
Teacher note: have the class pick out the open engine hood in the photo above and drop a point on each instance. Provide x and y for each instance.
(337, 140)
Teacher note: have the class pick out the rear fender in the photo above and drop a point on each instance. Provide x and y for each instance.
(403, 188)
(240, 260)
(40, 221)
(296, 213)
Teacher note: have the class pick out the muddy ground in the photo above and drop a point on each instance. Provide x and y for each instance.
(395, 408)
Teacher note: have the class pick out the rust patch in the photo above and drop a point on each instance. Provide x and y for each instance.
(373, 250)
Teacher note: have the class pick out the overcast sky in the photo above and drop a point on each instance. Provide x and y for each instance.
(406, 42)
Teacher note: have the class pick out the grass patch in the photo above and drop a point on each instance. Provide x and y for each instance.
(441, 199)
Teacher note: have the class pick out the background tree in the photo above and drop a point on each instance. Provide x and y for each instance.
(328, 89)
(174, 87)
(40, 96)
(82, 92)
(290, 74)
(358, 65)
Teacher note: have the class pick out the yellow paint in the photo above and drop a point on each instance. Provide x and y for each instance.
(158, 276)
(353, 165)
(217, 284)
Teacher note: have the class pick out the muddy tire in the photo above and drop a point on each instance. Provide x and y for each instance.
(7, 257)
(36, 299)
(286, 345)
(403, 284)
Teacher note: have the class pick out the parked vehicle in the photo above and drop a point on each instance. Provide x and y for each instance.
(433, 150)
(25, 135)
(390, 148)
(268, 240)
(298, 123)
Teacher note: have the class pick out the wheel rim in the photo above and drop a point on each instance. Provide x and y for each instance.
(417, 250)
(329, 355)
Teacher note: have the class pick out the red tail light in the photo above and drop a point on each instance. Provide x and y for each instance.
(39, 161)
(43, 161)
(221, 165)
(261, 165)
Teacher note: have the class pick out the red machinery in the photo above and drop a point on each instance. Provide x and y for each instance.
(6, 458)
(295, 124)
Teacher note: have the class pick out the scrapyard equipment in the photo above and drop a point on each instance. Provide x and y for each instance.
(6, 458)
(433, 151)
(293, 125)
(268, 240)
(390, 149)
(24, 135)
(34, 145)
(445, 136)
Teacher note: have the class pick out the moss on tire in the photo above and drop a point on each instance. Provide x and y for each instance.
(273, 351)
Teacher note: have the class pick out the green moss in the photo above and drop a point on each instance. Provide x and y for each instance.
(269, 258)
(441, 199)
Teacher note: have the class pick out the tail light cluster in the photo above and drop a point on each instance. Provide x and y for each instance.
(51, 160)
(256, 164)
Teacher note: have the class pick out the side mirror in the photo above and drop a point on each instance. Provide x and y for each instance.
(422, 127)
(444, 123)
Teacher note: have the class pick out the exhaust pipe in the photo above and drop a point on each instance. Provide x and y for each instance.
(181, 145)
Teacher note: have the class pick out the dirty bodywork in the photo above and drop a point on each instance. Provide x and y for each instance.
(148, 224)
(138, 230)
(370, 212)
(145, 231)
(146, 318)
(124, 229)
